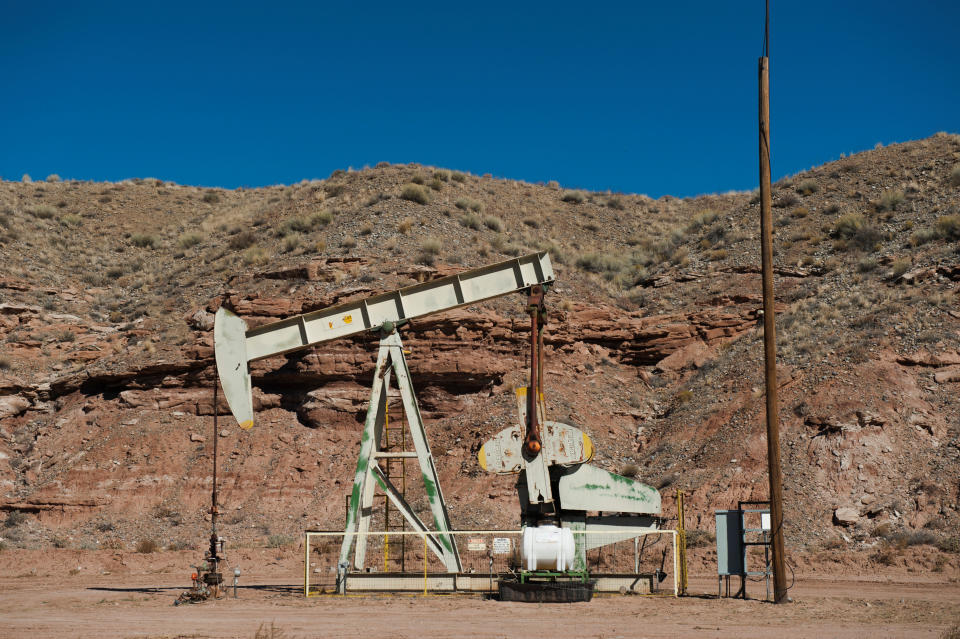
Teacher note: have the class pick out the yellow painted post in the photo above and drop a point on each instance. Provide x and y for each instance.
(424, 564)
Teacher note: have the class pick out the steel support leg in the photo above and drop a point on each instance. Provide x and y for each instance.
(368, 474)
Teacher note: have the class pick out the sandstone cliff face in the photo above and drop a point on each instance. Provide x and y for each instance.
(129, 450)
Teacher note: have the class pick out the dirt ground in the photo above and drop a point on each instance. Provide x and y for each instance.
(88, 595)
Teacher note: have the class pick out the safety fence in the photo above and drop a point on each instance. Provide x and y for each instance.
(639, 561)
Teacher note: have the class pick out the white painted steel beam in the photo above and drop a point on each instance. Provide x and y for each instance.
(236, 346)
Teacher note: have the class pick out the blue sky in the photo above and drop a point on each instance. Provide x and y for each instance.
(655, 98)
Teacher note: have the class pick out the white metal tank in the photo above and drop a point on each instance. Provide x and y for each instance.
(548, 548)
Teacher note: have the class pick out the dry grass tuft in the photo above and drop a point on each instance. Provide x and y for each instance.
(493, 223)
(147, 546)
(470, 221)
(469, 204)
(955, 176)
(188, 240)
(255, 256)
(42, 211)
(948, 227)
(142, 240)
(415, 193)
(808, 187)
(242, 240)
(890, 200)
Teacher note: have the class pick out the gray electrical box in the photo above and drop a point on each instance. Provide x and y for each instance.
(731, 555)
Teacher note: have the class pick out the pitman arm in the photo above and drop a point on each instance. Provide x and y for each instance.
(235, 346)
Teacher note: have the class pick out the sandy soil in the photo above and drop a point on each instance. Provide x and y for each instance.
(136, 601)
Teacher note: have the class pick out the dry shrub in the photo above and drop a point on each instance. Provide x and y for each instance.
(717, 255)
(255, 256)
(597, 262)
(432, 246)
(242, 240)
(466, 203)
(147, 546)
(786, 200)
(493, 223)
(573, 197)
(701, 220)
(470, 221)
(949, 544)
(278, 541)
(948, 226)
(333, 190)
(699, 538)
(630, 470)
(143, 240)
(890, 200)
(42, 211)
(405, 225)
(429, 251)
(616, 204)
(291, 242)
(808, 187)
(955, 176)
(188, 240)
(900, 267)
(415, 193)
(857, 232)
(922, 236)
(834, 543)
(14, 518)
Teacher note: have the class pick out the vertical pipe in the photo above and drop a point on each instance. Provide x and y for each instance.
(770, 340)
(306, 567)
(214, 542)
(532, 440)
(676, 591)
(213, 505)
(682, 533)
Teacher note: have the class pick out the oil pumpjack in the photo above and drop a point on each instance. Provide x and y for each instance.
(556, 487)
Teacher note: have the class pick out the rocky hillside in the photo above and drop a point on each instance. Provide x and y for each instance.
(106, 367)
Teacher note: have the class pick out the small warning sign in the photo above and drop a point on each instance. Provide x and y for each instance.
(501, 545)
(476, 544)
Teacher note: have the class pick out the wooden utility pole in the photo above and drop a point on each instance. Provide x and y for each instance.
(769, 331)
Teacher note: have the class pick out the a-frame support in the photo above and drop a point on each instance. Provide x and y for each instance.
(391, 362)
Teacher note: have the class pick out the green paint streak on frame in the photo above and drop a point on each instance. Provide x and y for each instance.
(431, 489)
